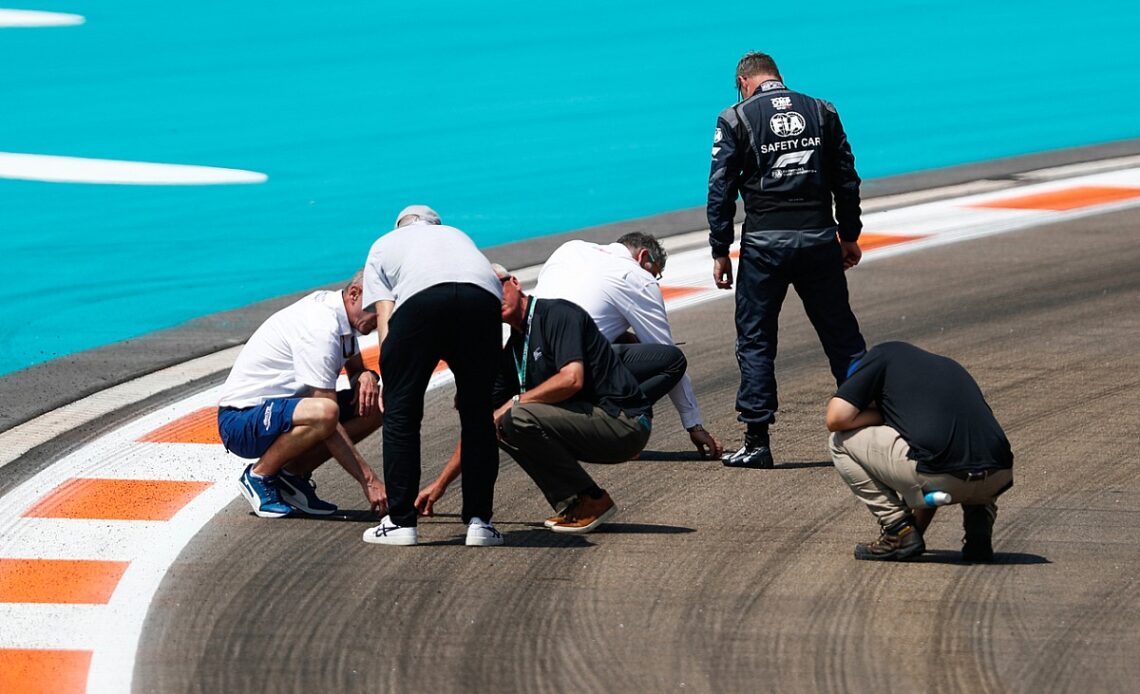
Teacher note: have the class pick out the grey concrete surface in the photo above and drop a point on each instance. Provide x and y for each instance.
(715, 580)
(44, 387)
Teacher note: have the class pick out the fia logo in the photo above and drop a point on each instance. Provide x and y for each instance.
(787, 124)
(781, 103)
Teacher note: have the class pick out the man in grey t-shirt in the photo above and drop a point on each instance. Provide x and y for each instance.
(436, 298)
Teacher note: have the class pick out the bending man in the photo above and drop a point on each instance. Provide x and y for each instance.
(436, 297)
(279, 403)
(908, 423)
(617, 285)
(564, 397)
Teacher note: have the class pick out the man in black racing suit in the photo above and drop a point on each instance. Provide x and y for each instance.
(786, 154)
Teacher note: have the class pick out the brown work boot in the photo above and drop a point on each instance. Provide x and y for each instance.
(900, 541)
(585, 514)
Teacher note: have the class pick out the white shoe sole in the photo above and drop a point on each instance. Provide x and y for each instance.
(255, 504)
(404, 540)
(484, 541)
(609, 513)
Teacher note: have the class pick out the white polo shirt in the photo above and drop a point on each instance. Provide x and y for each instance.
(417, 256)
(302, 346)
(619, 295)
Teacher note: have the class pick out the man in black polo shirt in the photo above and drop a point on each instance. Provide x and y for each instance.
(907, 423)
(564, 396)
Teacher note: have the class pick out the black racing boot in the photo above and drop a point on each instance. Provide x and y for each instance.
(755, 453)
(900, 541)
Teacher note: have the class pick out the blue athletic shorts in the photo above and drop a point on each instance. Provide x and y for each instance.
(250, 431)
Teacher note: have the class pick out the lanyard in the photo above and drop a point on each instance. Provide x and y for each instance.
(520, 367)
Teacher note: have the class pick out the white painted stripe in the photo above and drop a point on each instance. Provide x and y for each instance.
(58, 538)
(158, 461)
(1087, 167)
(33, 18)
(55, 169)
(66, 627)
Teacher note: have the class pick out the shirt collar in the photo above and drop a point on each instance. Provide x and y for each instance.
(335, 301)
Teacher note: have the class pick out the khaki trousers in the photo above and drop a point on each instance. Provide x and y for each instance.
(874, 463)
(547, 441)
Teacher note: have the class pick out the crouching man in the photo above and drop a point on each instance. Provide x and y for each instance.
(280, 406)
(908, 423)
(564, 396)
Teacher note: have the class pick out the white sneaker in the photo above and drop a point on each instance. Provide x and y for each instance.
(388, 533)
(480, 533)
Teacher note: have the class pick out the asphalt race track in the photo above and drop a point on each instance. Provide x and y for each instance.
(713, 579)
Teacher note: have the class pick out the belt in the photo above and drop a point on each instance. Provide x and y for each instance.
(971, 475)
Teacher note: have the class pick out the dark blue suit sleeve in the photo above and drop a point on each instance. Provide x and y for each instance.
(724, 186)
(841, 175)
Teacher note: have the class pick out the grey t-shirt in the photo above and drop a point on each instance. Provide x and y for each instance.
(412, 258)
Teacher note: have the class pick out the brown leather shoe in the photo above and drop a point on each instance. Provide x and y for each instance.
(555, 519)
(585, 515)
(900, 541)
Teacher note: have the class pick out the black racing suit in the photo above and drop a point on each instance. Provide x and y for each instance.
(787, 155)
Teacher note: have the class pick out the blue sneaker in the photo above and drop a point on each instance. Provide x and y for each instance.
(300, 493)
(262, 495)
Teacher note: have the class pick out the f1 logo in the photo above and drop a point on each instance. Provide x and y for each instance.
(793, 159)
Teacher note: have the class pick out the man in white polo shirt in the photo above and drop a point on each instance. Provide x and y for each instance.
(436, 297)
(617, 284)
(280, 405)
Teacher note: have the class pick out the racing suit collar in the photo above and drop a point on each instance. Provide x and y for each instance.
(770, 85)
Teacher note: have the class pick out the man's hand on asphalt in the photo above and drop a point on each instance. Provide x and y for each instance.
(722, 272)
(851, 253)
(706, 443)
(377, 495)
(425, 500)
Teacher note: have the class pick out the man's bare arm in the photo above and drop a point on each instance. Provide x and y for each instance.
(843, 416)
(425, 500)
(558, 388)
(345, 453)
(383, 311)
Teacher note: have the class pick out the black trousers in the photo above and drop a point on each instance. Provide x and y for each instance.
(460, 324)
(657, 368)
(769, 263)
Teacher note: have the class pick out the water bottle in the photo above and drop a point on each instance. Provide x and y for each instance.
(933, 499)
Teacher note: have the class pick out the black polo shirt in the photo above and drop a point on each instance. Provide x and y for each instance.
(562, 332)
(934, 404)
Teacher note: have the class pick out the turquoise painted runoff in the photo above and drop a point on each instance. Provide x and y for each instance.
(513, 119)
